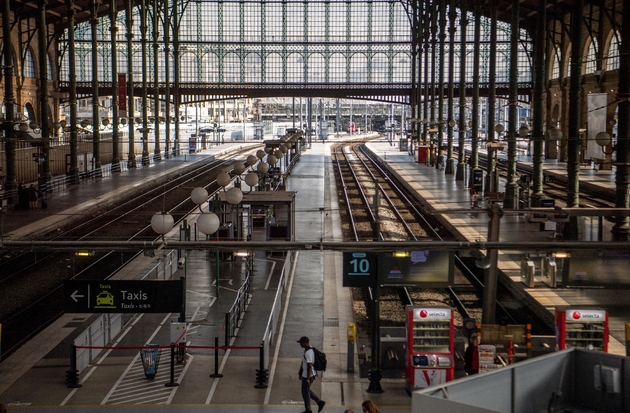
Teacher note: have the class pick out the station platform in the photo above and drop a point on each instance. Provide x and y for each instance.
(316, 305)
(443, 193)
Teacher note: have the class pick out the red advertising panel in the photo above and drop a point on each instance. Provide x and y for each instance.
(581, 327)
(122, 91)
(430, 346)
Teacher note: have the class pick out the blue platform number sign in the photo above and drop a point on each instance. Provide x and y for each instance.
(359, 269)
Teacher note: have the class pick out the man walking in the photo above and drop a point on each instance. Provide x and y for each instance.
(307, 376)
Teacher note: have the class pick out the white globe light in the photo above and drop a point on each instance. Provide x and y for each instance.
(162, 222)
(85, 123)
(23, 127)
(260, 154)
(223, 179)
(271, 159)
(123, 121)
(523, 131)
(251, 178)
(268, 149)
(208, 223)
(233, 196)
(284, 148)
(33, 125)
(56, 125)
(105, 122)
(251, 160)
(603, 139)
(278, 153)
(262, 168)
(239, 168)
(199, 195)
(499, 128)
(63, 123)
(554, 134)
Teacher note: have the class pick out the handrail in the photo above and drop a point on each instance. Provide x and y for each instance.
(276, 307)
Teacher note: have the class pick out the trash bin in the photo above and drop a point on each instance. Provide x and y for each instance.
(150, 359)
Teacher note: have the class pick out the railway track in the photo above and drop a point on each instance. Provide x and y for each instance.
(32, 282)
(359, 178)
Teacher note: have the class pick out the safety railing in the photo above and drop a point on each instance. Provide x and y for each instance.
(276, 308)
(234, 315)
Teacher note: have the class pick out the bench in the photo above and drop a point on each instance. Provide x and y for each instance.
(495, 196)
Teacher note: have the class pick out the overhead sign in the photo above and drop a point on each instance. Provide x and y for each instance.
(423, 268)
(123, 296)
(359, 269)
(597, 269)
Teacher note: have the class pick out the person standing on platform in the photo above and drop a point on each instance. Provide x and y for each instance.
(32, 196)
(307, 376)
(471, 357)
(369, 407)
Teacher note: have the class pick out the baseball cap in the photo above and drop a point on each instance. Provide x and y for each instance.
(303, 340)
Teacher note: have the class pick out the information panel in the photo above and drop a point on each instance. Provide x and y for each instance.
(423, 268)
(359, 269)
(123, 296)
(598, 269)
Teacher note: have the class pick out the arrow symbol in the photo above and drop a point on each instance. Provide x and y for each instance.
(231, 282)
(75, 295)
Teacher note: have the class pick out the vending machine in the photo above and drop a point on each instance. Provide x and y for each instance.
(430, 346)
(581, 327)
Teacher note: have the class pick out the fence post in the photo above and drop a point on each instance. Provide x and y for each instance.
(72, 375)
(216, 358)
(261, 373)
(172, 382)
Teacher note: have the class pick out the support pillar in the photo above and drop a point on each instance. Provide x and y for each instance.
(452, 16)
(474, 152)
(9, 99)
(538, 94)
(492, 184)
(96, 135)
(115, 96)
(572, 229)
(72, 98)
(42, 36)
(511, 188)
(621, 228)
(131, 158)
(461, 154)
(157, 153)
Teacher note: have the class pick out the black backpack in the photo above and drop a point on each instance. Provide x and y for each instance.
(320, 360)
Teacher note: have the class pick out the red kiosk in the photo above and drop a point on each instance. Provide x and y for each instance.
(581, 327)
(430, 346)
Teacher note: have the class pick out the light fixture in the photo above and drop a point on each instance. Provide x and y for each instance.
(223, 179)
(523, 131)
(499, 128)
(234, 195)
(239, 168)
(401, 254)
(63, 123)
(162, 222)
(272, 160)
(251, 179)
(262, 168)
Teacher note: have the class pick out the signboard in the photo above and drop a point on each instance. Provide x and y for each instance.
(423, 268)
(597, 269)
(123, 296)
(584, 315)
(359, 269)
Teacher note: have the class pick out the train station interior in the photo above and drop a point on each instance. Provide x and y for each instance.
(436, 194)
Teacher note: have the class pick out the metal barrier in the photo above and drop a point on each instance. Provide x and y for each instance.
(233, 317)
(276, 308)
